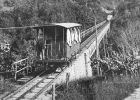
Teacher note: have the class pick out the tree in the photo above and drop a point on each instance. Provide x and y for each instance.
(125, 26)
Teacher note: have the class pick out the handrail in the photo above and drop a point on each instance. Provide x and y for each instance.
(91, 29)
(92, 36)
(15, 66)
(20, 61)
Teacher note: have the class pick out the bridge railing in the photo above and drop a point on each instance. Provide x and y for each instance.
(92, 35)
(88, 31)
(21, 66)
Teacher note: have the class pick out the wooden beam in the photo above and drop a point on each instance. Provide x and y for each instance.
(86, 66)
(53, 94)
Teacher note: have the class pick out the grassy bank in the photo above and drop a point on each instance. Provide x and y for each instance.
(98, 89)
(7, 87)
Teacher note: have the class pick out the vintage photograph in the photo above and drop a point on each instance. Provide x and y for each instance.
(69, 49)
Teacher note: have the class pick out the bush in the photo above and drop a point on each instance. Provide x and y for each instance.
(94, 89)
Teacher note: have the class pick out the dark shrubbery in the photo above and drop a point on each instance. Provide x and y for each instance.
(94, 89)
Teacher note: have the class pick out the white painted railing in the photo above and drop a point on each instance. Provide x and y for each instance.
(86, 32)
(20, 65)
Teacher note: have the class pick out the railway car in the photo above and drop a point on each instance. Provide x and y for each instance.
(57, 43)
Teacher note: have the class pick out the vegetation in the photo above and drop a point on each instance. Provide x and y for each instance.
(19, 13)
(125, 27)
(98, 89)
(32, 12)
(123, 38)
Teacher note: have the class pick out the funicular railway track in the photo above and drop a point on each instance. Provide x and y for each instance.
(34, 88)
(87, 39)
(85, 34)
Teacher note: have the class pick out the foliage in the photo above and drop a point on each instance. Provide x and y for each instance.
(124, 33)
(96, 89)
(117, 89)
(5, 62)
(31, 12)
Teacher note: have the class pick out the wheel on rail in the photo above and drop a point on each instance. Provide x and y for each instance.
(56, 66)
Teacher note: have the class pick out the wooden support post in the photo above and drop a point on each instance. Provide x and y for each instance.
(53, 94)
(48, 51)
(86, 66)
(63, 43)
(27, 63)
(15, 71)
(104, 47)
(55, 43)
(100, 72)
(43, 52)
(67, 79)
(97, 57)
(98, 69)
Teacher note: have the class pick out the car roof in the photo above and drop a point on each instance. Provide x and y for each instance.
(67, 25)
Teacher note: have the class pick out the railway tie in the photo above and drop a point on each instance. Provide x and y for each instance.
(32, 89)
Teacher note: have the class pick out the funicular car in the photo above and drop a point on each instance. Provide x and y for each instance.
(57, 43)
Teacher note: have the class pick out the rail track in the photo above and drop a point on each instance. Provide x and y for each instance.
(90, 30)
(87, 40)
(34, 88)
